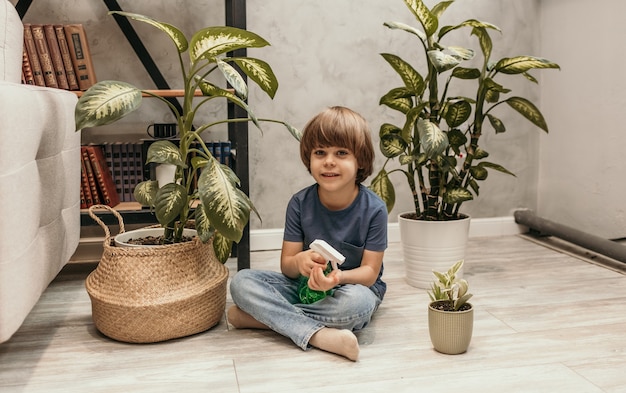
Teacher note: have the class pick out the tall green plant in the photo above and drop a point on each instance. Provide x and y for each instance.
(440, 124)
(220, 208)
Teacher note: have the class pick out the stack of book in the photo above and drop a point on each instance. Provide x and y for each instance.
(57, 56)
(111, 171)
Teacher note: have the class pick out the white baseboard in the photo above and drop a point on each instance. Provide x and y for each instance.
(271, 239)
(90, 249)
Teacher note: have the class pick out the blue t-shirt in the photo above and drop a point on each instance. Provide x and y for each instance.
(361, 226)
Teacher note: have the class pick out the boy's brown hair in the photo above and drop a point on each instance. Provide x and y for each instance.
(341, 127)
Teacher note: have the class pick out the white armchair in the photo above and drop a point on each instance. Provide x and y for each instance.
(39, 181)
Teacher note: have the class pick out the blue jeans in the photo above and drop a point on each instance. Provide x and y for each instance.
(272, 299)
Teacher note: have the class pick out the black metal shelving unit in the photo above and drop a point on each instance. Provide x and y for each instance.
(237, 132)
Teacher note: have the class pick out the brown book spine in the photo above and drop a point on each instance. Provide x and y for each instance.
(44, 56)
(55, 55)
(103, 176)
(93, 186)
(29, 43)
(66, 57)
(85, 188)
(81, 55)
(27, 70)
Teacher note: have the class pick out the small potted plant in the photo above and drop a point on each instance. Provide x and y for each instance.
(450, 316)
(438, 148)
(178, 288)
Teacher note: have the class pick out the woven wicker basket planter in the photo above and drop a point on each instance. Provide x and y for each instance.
(156, 293)
(450, 331)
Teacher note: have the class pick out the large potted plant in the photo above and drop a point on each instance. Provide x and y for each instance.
(450, 316)
(438, 147)
(203, 192)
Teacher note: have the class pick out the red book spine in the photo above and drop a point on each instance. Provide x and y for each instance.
(93, 186)
(103, 176)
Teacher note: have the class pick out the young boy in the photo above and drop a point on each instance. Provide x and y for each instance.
(336, 148)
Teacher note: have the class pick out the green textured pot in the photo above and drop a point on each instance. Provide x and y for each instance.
(450, 331)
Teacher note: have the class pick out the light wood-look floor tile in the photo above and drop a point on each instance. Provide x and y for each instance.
(545, 321)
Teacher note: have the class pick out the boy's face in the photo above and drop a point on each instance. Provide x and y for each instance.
(334, 168)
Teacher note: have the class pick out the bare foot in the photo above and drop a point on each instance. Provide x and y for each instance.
(242, 320)
(339, 341)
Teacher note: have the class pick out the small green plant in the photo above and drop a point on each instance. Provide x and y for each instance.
(213, 198)
(449, 288)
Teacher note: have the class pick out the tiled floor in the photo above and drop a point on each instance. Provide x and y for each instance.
(545, 321)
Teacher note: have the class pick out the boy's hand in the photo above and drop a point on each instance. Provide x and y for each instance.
(319, 282)
(308, 260)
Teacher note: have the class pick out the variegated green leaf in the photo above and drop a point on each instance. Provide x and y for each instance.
(410, 124)
(233, 78)
(479, 154)
(170, 200)
(106, 102)
(145, 192)
(484, 39)
(491, 165)
(172, 31)
(463, 53)
(476, 24)
(391, 142)
(429, 21)
(411, 78)
(466, 73)
(260, 72)
(214, 41)
(203, 224)
(529, 111)
(383, 187)
(479, 173)
(209, 89)
(222, 247)
(226, 206)
(521, 64)
(164, 152)
(398, 99)
(439, 8)
(442, 61)
(407, 28)
(457, 195)
(496, 123)
(456, 113)
(433, 140)
(456, 138)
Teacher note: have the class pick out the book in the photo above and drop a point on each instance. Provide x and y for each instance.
(66, 57)
(91, 178)
(85, 187)
(55, 55)
(27, 71)
(33, 58)
(103, 177)
(81, 55)
(44, 56)
(137, 167)
(126, 171)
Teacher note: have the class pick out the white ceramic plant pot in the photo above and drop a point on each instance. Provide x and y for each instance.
(431, 245)
(122, 239)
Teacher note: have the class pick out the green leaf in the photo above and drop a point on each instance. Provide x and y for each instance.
(484, 39)
(442, 61)
(260, 72)
(226, 206)
(433, 140)
(398, 99)
(233, 78)
(528, 110)
(440, 8)
(411, 78)
(491, 165)
(203, 224)
(456, 138)
(456, 113)
(170, 200)
(173, 32)
(106, 102)
(424, 16)
(457, 195)
(479, 173)
(222, 247)
(145, 192)
(480, 154)
(496, 123)
(461, 53)
(391, 142)
(213, 41)
(164, 152)
(476, 24)
(405, 27)
(466, 73)
(383, 187)
(209, 89)
(521, 64)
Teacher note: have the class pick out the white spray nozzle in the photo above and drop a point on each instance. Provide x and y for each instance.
(328, 252)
